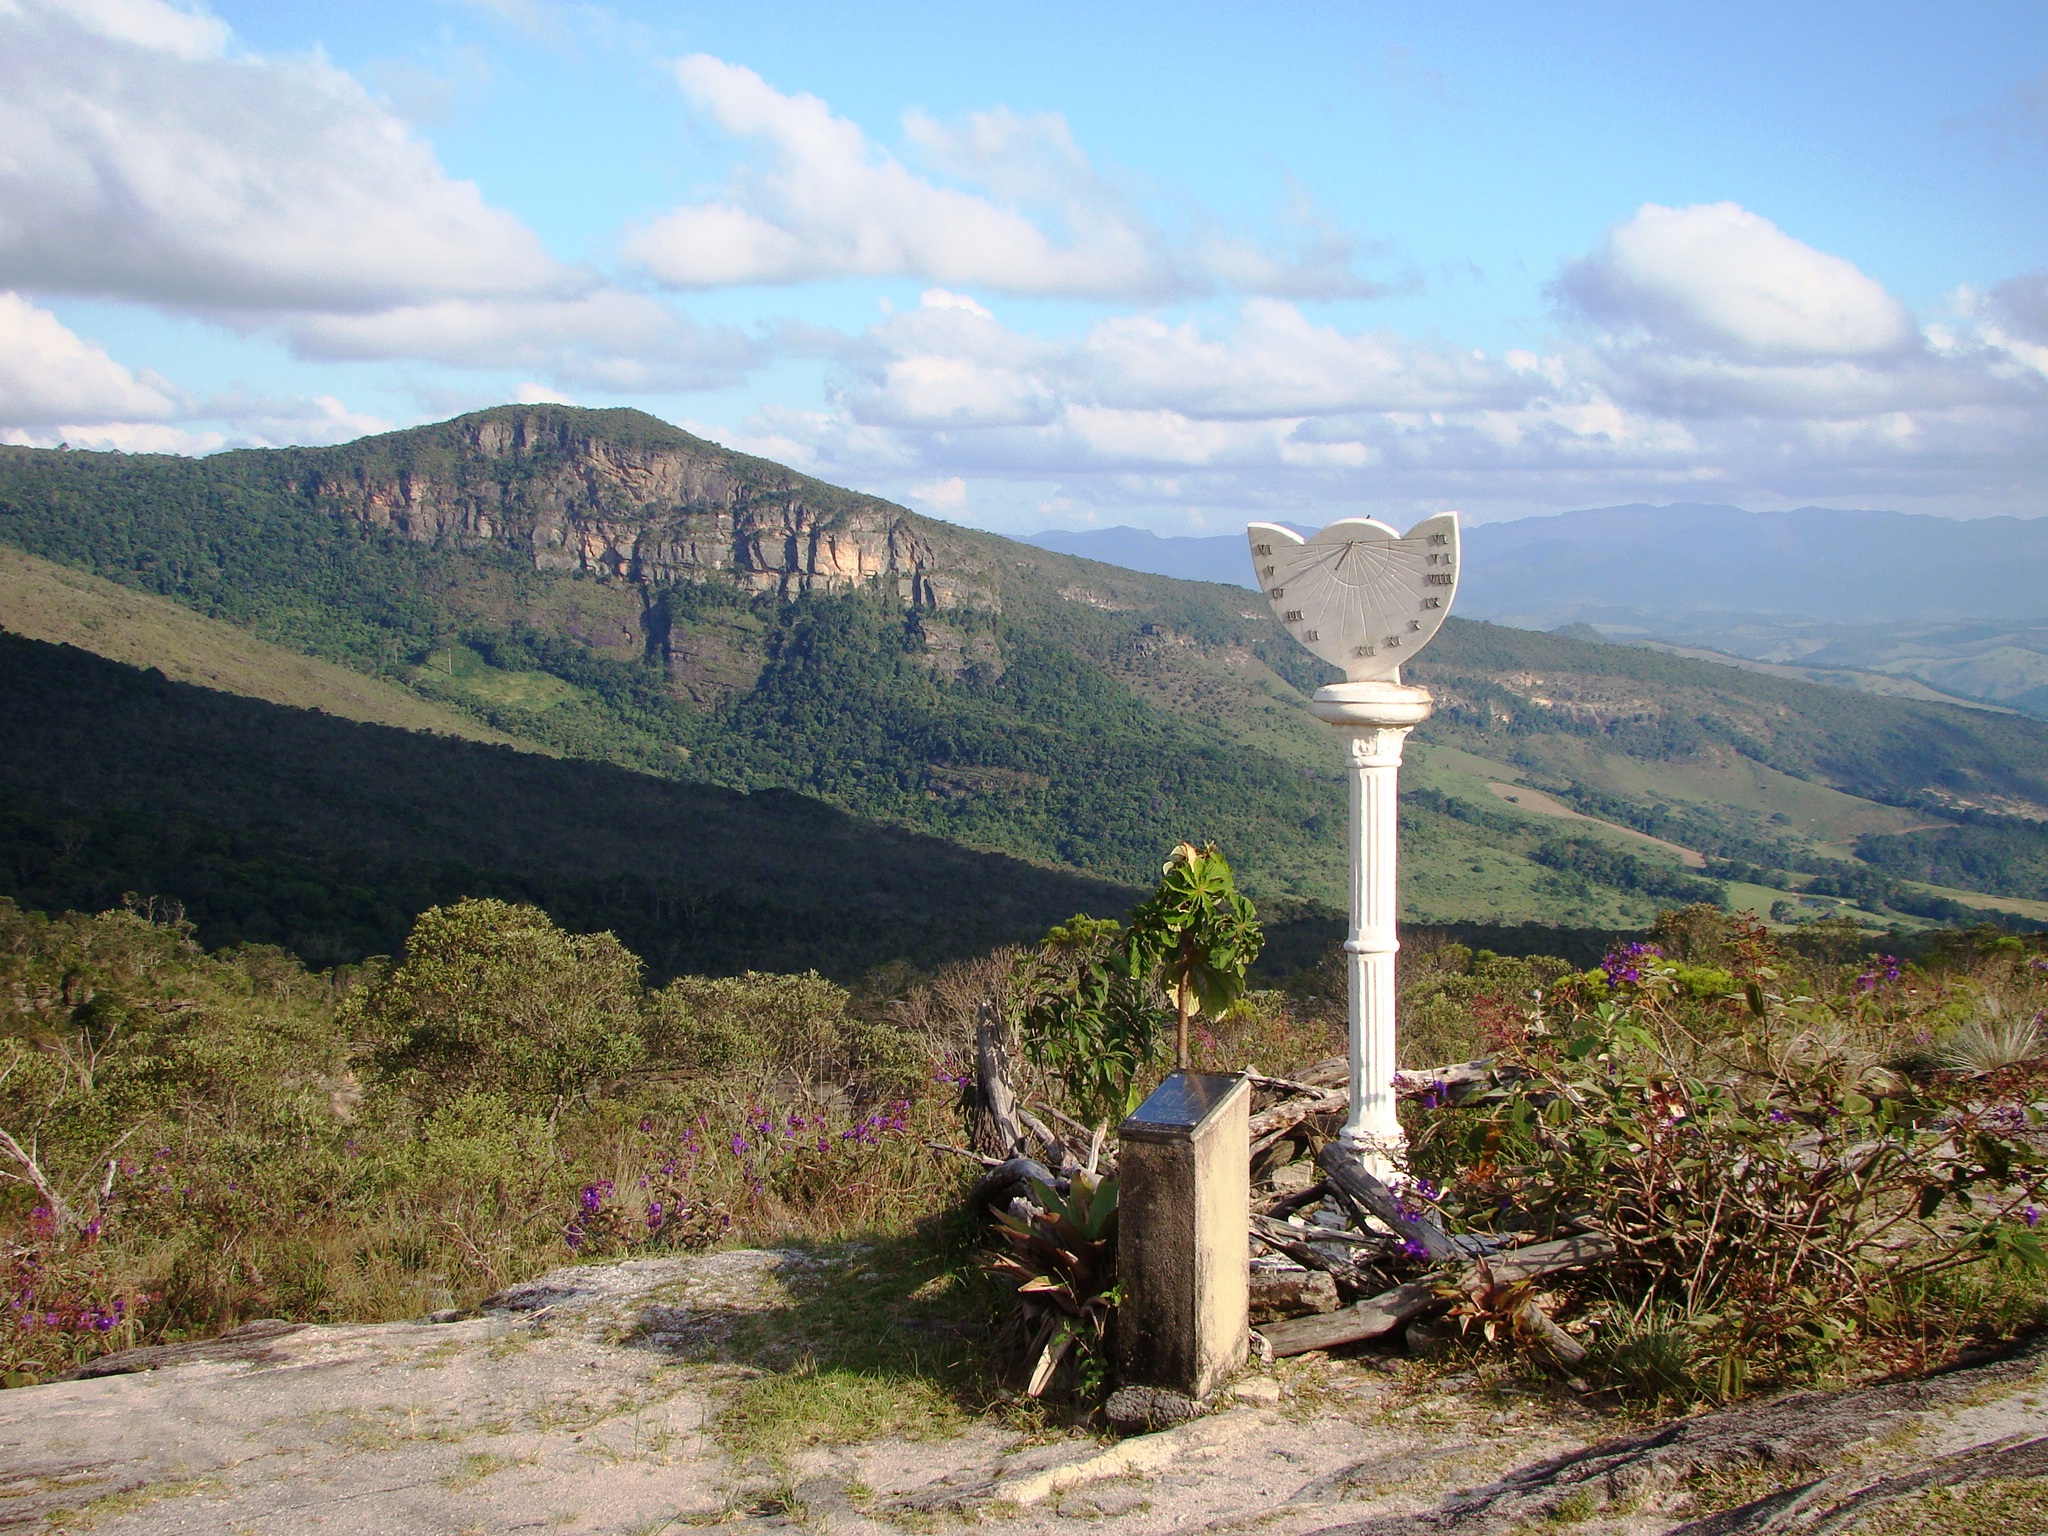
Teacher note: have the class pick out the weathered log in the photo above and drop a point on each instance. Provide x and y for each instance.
(996, 1127)
(248, 1344)
(1367, 1319)
(1265, 1084)
(1382, 1314)
(1008, 1179)
(1367, 1196)
(1463, 1074)
(1288, 1204)
(1282, 1293)
(1269, 1125)
(1068, 1159)
(1282, 1238)
(1533, 1323)
(1273, 1230)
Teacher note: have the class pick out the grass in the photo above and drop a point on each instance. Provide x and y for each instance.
(54, 603)
(2002, 1504)
(478, 1465)
(109, 1506)
(885, 1337)
(467, 673)
(780, 1415)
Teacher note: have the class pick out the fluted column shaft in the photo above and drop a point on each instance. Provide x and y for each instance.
(1373, 721)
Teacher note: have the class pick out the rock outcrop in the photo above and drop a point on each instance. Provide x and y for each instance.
(620, 496)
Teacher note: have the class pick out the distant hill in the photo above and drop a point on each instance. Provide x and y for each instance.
(1640, 563)
(1211, 557)
(1633, 563)
(614, 589)
(1876, 601)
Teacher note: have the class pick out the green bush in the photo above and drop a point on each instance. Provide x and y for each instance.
(495, 998)
(1787, 1180)
(225, 1136)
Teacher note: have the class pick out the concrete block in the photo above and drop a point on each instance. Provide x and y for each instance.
(1183, 1245)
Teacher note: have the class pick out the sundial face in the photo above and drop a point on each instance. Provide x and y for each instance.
(1357, 594)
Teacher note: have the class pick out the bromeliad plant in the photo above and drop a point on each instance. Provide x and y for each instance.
(1062, 1257)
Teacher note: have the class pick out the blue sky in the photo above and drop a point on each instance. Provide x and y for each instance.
(1060, 266)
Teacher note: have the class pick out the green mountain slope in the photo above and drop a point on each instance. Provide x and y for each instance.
(40, 600)
(616, 589)
(294, 827)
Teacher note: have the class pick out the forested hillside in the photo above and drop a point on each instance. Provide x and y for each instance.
(611, 587)
(286, 826)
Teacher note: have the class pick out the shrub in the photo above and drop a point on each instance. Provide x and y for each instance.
(232, 1136)
(495, 998)
(1774, 1188)
(752, 1027)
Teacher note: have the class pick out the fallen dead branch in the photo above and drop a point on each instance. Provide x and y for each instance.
(1367, 1196)
(1382, 1314)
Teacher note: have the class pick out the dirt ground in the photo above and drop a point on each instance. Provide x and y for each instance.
(583, 1403)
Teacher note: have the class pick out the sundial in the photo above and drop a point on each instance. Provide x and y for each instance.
(1358, 594)
(1365, 598)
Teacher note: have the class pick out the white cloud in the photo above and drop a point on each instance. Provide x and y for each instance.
(609, 338)
(171, 29)
(948, 495)
(140, 159)
(823, 201)
(1719, 277)
(144, 158)
(50, 376)
(58, 387)
(1270, 412)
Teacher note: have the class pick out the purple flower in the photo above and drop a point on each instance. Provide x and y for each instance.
(1413, 1249)
(1626, 963)
(2033, 1216)
(1778, 1117)
(595, 1195)
(739, 1145)
(653, 1215)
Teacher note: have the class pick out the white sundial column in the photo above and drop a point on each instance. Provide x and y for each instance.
(1365, 599)
(1373, 720)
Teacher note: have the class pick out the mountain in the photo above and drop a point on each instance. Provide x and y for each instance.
(1885, 602)
(1640, 563)
(1214, 557)
(1814, 563)
(609, 588)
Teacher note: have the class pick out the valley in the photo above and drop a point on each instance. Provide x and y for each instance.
(607, 589)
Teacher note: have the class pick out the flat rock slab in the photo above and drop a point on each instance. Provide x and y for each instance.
(554, 1410)
(582, 1402)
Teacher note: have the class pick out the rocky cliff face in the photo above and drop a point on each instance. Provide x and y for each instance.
(642, 503)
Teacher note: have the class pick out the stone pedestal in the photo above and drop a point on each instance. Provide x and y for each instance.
(1183, 1253)
(1373, 719)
